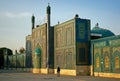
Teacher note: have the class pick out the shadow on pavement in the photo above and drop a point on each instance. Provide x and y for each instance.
(13, 71)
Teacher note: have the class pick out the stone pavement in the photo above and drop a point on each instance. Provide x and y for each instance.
(12, 75)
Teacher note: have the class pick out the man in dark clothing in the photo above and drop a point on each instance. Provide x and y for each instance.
(58, 71)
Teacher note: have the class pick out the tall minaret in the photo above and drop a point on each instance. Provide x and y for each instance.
(33, 21)
(48, 34)
(48, 15)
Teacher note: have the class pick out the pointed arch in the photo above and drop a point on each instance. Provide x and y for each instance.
(37, 58)
(106, 62)
(117, 62)
(116, 59)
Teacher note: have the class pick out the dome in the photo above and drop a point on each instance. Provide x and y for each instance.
(103, 32)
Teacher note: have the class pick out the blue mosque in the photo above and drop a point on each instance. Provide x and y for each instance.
(74, 47)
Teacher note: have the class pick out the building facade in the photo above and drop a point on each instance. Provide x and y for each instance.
(73, 47)
(65, 45)
(106, 57)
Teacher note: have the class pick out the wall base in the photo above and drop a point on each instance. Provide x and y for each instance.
(36, 70)
(111, 75)
(43, 71)
(83, 70)
(66, 72)
(47, 71)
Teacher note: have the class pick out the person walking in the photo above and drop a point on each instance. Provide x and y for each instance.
(58, 71)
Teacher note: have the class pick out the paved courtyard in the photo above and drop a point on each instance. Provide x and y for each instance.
(12, 75)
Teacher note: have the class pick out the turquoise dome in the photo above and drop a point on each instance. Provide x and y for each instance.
(103, 32)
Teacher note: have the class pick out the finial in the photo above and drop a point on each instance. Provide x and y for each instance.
(48, 4)
(97, 25)
(48, 9)
(76, 16)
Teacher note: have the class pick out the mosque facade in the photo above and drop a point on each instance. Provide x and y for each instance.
(74, 47)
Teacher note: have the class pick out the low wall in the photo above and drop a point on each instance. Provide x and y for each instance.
(111, 75)
(66, 72)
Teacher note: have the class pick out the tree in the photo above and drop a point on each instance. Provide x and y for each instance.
(22, 50)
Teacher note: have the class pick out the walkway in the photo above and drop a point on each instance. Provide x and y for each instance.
(12, 75)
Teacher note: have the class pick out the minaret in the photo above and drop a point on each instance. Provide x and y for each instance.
(33, 21)
(48, 15)
(48, 34)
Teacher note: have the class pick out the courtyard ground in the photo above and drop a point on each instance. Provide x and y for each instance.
(13, 75)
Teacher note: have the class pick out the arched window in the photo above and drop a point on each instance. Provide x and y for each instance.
(116, 62)
(68, 36)
(58, 38)
(106, 62)
(97, 62)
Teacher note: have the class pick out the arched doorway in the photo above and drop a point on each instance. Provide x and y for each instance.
(37, 58)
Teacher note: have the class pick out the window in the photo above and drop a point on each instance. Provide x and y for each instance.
(106, 62)
(68, 36)
(82, 30)
(97, 62)
(58, 59)
(69, 60)
(82, 57)
(116, 62)
(58, 38)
